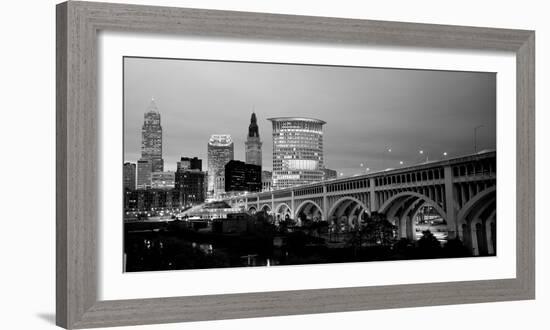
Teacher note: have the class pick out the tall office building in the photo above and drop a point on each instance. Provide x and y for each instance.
(220, 152)
(253, 145)
(151, 138)
(129, 176)
(191, 186)
(240, 176)
(151, 147)
(297, 151)
(190, 181)
(144, 170)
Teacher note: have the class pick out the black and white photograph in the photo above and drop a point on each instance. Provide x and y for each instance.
(242, 164)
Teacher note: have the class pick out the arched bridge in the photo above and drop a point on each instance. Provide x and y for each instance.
(462, 190)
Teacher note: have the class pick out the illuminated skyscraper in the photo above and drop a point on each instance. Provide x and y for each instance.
(151, 147)
(151, 138)
(253, 145)
(297, 151)
(220, 152)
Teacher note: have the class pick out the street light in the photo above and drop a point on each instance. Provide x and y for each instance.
(445, 154)
(400, 162)
(475, 137)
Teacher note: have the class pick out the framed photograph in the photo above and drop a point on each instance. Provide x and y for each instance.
(256, 164)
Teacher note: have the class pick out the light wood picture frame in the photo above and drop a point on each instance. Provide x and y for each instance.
(77, 27)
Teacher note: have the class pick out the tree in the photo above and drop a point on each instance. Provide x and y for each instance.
(454, 249)
(404, 248)
(377, 231)
(428, 245)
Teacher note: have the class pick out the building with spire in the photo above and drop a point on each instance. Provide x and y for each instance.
(151, 147)
(253, 145)
(220, 152)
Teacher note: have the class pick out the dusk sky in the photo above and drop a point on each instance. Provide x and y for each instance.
(367, 110)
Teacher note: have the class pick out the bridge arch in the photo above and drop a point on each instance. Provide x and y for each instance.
(402, 208)
(282, 210)
(266, 208)
(252, 209)
(305, 203)
(471, 204)
(240, 203)
(490, 230)
(338, 215)
(402, 197)
(405, 220)
(476, 222)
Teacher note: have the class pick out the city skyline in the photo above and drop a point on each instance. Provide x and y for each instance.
(328, 124)
(431, 124)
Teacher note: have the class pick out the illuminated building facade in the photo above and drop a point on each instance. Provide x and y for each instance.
(220, 152)
(163, 180)
(151, 138)
(151, 147)
(297, 151)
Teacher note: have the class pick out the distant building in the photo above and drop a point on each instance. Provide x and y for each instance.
(253, 145)
(151, 138)
(151, 147)
(220, 152)
(235, 172)
(266, 180)
(144, 170)
(150, 202)
(240, 176)
(253, 178)
(190, 182)
(130, 200)
(187, 163)
(329, 174)
(129, 176)
(236, 223)
(297, 151)
(163, 180)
